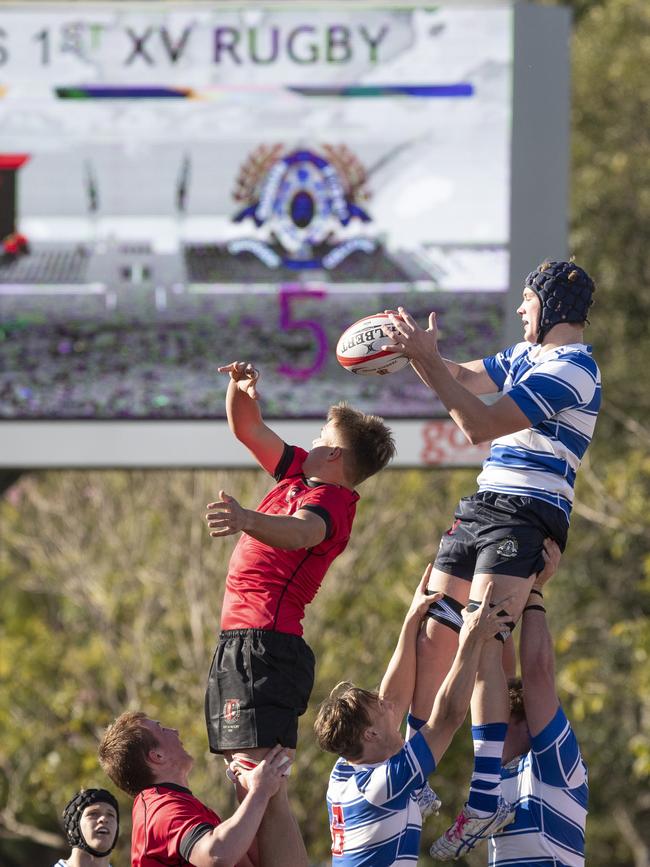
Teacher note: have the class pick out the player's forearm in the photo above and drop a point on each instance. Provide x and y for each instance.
(281, 531)
(453, 698)
(467, 410)
(454, 368)
(231, 840)
(398, 683)
(243, 413)
(536, 654)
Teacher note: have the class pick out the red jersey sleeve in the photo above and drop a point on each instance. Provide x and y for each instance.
(176, 823)
(335, 505)
(290, 464)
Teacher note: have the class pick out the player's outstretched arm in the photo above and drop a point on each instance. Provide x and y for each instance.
(478, 422)
(536, 654)
(304, 529)
(419, 344)
(453, 698)
(245, 418)
(398, 683)
(228, 843)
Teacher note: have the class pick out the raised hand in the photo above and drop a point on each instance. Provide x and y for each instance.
(421, 599)
(411, 340)
(225, 517)
(268, 775)
(487, 619)
(245, 374)
(552, 556)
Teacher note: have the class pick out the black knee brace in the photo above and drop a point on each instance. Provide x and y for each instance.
(472, 605)
(448, 612)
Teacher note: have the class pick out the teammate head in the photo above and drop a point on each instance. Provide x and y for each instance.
(565, 294)
(352, 721)
(136, 752)
(366, 441)
(91, 820)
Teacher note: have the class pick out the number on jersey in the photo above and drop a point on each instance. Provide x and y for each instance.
(337, 830)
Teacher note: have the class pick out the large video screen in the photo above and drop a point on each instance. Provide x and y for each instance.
(182, 186)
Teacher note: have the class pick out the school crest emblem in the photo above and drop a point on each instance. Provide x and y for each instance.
(231, 710)
(508, 548)
(293, 492)
(304, 208)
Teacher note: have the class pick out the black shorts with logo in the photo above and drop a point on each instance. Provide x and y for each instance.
(259, 684)
(499, 534)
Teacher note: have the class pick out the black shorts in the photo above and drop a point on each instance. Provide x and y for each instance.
(259, 684)
(499, 534)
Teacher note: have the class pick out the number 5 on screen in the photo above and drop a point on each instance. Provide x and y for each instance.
(286, 299)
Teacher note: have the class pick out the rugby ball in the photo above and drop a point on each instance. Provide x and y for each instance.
(359, 347)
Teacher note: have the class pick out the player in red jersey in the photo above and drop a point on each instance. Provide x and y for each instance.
(262, 673)
(172, 827)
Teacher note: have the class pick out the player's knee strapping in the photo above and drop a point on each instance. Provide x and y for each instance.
(448, 612)
(472, 605)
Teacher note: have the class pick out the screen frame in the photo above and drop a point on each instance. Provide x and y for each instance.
(538, 230)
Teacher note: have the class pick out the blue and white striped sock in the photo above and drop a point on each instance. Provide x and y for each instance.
(485, 787)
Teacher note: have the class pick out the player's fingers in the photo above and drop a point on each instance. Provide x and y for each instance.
(408, 319)
(398, 327)
(501, 624)
(432, 322)
(227, 368)
(271, 756)
(424, 581)
(226, 531)
(503, 602)
(487, 594)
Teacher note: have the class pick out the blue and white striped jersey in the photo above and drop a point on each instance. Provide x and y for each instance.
(375, 819)
(62, 863)
(559, 391)
(548, 787)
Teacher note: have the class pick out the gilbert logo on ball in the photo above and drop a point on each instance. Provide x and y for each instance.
(359, 349)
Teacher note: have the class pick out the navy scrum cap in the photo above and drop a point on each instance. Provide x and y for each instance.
(72, 818)
(565, 292)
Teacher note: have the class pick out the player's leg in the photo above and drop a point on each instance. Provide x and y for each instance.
(437, 642)
(438, 639)
(258, 687)
(279, 840)
(510, 543)
(485, 811)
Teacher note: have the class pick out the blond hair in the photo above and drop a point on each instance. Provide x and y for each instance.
(368, 441)
(342, 719)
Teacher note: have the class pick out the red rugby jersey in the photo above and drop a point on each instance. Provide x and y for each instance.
(268, 588)
(167, 821)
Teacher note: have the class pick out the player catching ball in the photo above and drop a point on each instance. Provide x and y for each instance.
(540, 428)
(262, 673)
